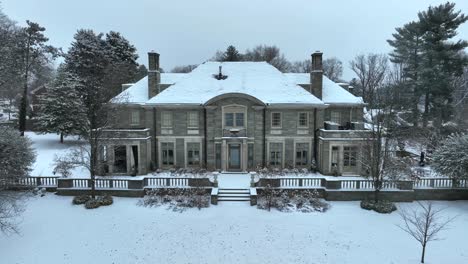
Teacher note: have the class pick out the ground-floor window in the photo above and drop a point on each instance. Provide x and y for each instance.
(276, 151)
(193, 154)
(350, 156)
(302, 154)
(250, 155)
(334, 156)
(167, 153)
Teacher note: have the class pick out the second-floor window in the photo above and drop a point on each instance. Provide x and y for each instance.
(303, 119)
(135, 117)
(335, 117)
(276, 120)
(192, 119)
(166, 119)
(234, 119)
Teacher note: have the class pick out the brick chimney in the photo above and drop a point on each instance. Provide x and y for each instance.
(154, 76)
(316, 75)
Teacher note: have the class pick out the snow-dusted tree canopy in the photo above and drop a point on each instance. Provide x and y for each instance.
(16, 154)
(451, 158)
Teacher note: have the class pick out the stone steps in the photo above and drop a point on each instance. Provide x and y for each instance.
(233, 195)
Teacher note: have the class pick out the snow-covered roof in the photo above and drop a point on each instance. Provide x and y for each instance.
(138, 92)
(256, 79)
(332, 92)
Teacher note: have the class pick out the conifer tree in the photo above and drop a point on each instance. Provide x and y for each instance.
(62, 110)
(232, 54)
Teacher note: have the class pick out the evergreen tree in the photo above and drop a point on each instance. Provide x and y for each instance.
(442, 58)
(34, 52)
(232, 54)
(62, 109)
(123, 67)
(451, 159)
(407, 44)
(431, 60)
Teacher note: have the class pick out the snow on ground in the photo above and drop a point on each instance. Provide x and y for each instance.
(47, 146)
(54, 231)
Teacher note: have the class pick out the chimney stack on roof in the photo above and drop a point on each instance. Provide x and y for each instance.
(316, 75)
(154, 76)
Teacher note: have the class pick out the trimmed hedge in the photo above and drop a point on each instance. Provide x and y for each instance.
(383, 207)
(92, 204)
(105, 200)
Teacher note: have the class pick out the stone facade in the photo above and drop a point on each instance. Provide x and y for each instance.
(234, 132)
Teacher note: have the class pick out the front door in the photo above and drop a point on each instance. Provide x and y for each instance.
(234, 157)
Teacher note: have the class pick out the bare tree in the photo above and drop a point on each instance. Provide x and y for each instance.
(425, 224)
(184, 68)
(270, 54)
(371, 70)
(333, 69)
(304, 66)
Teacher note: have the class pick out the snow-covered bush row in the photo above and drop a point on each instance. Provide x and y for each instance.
(275, 172)
(177, 199)
(183, 172)
(305, 201)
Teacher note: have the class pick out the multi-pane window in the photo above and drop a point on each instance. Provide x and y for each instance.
(334, 157)
(166, 119)
(234, 119)
(193, 154)
(275, 119)
(192, 119)
(135, 117)
(303, 119)
(335, 117)
(302, 151)
(167, 153)
(349, 156)
(276, 151)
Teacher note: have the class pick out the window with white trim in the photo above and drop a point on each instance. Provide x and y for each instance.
(135, 117)
(167, 153)
(276, 154)
(166, 118)
(192, 119)
(335, 116)
(302, 151)
(276, 120)
(350, 156)
(234, 116)
(193, 154)
(303, 119)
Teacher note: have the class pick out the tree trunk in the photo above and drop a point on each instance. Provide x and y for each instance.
(423, 253)
(426, 110)
(61, 138)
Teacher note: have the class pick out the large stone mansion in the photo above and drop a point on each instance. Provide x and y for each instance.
(235, 116)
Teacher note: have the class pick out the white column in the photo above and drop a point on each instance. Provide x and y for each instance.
(244, 155)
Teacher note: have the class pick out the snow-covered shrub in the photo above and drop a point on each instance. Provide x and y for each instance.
(451, 158)
(382, 206)
(105, 200)
(39, 191)
(176, 199)
(81, 199)
(92, 203)
(291, 201)
(16, 154)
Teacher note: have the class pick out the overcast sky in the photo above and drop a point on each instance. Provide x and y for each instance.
(190, 32)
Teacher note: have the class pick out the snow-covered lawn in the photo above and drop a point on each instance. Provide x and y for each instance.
(47, 146)
(54, 231)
